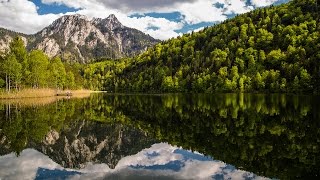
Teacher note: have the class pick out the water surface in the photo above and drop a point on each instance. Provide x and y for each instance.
(173, 136)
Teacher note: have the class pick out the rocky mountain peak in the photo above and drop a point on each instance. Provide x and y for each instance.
(67, 19)
(110, 23)
(76, 38)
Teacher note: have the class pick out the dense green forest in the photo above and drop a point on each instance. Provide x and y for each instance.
(273, 49)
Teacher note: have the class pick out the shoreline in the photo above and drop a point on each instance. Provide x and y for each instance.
(42, 93)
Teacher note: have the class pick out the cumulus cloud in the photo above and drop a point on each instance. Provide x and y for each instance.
(127, 6)
(22, 16)
(26, 165)
(261, 3)
(237, 7)
(142, 165)
(201, 11)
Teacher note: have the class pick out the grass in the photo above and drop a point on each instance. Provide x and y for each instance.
(22, 102)
(39, 93)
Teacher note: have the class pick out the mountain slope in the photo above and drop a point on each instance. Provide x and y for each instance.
(273, 49)
(76, 38)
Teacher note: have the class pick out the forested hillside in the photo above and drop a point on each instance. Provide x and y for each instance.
(273, 49)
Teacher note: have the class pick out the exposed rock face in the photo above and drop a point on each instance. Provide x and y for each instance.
(76, 38)
(49, 46)
(4, 43)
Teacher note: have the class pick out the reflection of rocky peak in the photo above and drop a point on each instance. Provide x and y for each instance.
(92, 142)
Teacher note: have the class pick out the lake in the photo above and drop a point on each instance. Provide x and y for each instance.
(171, 136)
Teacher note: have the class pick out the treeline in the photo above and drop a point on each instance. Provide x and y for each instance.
(22, 69)
(274, 49)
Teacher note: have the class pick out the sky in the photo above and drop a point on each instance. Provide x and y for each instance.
(162, 19)
(160, 160)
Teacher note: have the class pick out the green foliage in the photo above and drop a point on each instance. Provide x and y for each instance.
(38, 68)
(58, 73)
(2, 83)
(273, 49)
(70, 80)
(263, 50)
(12, 70)
(21, 69)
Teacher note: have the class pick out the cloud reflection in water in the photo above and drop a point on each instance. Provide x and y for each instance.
(161, 161)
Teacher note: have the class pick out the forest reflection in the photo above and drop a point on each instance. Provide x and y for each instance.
(275, 135)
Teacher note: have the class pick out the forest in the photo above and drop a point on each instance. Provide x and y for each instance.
(272, 49)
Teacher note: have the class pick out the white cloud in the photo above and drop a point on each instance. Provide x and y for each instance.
(237, 7)
(164, 151)
(201, 11)
(22, 16)
(193, 11)
(28, 163)
(261, 3)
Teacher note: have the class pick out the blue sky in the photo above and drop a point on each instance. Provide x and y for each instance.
(162, 19)
(54, 8)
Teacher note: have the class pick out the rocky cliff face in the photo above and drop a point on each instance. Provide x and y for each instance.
(76, 38)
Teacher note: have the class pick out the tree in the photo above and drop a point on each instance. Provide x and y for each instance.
(296, 84)
(70, 81)
(38, 63)
(259, 84)
(12, 69)
(57, 73)
(264, 38)
(168, 84)
(305, 80)
(17, 47)
(275, 57)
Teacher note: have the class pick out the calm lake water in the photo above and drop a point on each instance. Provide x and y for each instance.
(174, 136)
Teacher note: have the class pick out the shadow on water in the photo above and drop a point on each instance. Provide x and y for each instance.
(273, 135)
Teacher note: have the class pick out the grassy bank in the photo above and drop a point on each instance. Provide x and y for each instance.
(37, 93)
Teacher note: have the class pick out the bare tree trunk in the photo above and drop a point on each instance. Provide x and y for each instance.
(7, 83)
(7, 112)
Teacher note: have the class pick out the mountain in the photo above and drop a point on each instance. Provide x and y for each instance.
(87, 142)
(76, 38)
(272, 49)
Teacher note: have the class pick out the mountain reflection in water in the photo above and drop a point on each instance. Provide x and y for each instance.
(273, 136)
